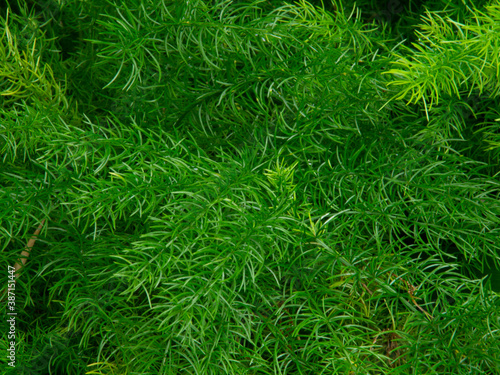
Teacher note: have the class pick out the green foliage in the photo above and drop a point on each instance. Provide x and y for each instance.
(23, 74)
(251, 188)
(452, 58)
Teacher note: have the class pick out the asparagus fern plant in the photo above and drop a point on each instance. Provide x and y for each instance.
(251, 187)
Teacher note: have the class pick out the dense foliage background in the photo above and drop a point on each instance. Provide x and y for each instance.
(238, 187)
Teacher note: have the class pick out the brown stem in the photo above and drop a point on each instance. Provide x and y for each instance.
(24, 256)
(26, 252)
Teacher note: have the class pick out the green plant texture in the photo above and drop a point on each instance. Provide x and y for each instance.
(251, 187)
